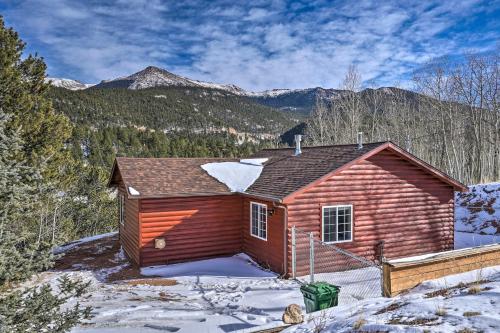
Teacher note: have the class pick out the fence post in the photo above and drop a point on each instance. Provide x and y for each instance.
(294, 255)
(311, 257)
(382, 266)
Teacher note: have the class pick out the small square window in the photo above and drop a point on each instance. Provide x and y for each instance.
(337, 224)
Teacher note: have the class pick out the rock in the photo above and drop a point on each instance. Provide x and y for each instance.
(293, 314)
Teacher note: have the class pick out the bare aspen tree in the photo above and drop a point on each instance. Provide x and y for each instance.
(451, 119)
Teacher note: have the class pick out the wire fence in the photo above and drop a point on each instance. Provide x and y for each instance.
(315, 261)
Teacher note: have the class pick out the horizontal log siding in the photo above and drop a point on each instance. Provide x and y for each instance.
(269, 253)
(129, 232)
(392, 199)
(193, 228)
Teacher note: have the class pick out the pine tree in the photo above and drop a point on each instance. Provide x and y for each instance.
(40, 309)
(23, 96)
(20, 253)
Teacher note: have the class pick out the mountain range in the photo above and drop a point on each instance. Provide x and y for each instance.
(159, 100)
(299, 100)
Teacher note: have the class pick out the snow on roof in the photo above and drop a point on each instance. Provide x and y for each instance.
(238, 176)
(133, 191)
(254, 161)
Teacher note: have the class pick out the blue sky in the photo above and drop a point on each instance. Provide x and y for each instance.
(254, 44)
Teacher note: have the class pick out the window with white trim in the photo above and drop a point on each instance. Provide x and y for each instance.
(258, 220)
(121, 207)
(337, 224)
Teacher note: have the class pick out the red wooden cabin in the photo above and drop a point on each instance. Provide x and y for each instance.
(172, 210)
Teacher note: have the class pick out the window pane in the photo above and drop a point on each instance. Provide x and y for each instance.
(255, 219)
(329, 216)
(344, 224)
(263, 222)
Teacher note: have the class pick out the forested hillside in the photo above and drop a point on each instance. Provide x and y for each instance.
(171, 109)
(98, 147)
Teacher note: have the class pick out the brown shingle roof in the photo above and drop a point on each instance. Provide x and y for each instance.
(159, 177)
(285, 173)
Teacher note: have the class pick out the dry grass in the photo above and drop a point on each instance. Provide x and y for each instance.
(471, 313)
(360, 322)
(441, 311)
(474, 289)
(466, 330)
(413, 322)
(447, 291)
(319, 322)
(390, 307)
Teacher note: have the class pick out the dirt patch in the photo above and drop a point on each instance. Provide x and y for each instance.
(471, 314)
(446, 292)
(391, 307)
(98, 256)
(152, 282)
(413, 322)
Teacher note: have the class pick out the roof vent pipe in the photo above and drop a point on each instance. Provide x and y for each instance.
(360, 140)
(298, 138)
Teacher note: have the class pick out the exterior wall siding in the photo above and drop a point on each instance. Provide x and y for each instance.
(269, 253)
(393, 201)
(193, 228)
(129, 231)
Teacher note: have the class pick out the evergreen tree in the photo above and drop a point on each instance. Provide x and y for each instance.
(40, 309)
(21, 253)
(31, 156)
(23, 97)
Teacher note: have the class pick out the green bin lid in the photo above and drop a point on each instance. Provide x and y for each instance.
(320, 288)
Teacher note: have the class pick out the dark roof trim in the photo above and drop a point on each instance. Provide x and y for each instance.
(398, 150)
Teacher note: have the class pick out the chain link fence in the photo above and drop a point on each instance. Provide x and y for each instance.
(315, 261)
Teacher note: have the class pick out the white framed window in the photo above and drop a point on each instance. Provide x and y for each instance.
(337, 224)
(258, 220)
(121, 208)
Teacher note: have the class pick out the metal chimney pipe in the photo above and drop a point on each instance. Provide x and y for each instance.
(360, 140)
(298, 138)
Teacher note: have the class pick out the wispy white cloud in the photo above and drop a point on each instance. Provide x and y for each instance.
(258, 46)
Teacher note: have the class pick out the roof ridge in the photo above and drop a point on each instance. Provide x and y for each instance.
(327, 146)
(178, 158)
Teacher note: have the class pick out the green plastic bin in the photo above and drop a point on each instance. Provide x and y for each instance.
(319, 296)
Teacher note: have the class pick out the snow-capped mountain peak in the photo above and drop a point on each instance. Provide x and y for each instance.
(67, 83)
(152, 76)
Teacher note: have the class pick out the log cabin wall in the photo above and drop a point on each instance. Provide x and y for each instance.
(269, 253)
(129, 231)
(193, 228)
(393, 200)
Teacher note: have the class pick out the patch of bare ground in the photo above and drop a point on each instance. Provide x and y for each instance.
(96, 256)
(152, 282)
(466, 330)
(471, 313)
(391, 307)
(446, 292)
(414, 322)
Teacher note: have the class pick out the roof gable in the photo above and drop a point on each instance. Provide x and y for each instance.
(285, 173)
(375, 150)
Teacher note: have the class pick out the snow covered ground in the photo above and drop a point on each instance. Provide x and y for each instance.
(214, 295)
(478, 210)
(234, 294)
(465, 303)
